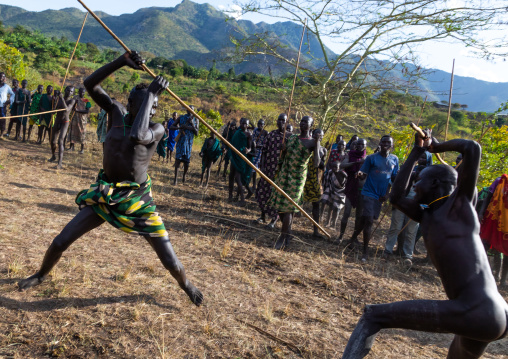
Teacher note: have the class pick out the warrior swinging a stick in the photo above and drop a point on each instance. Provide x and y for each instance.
(444, 205)
(122, 194)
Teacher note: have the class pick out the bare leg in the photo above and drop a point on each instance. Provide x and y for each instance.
(254, 181)
(208, 170)
(335, 217)
(40, 132)
(61, 145)
(53, 141)
(185, 169)
(24, 132)
(321, 211)
(29, 132)
(170, 155)
(167, 256)
(315, 217)
(85, 221)
(285, 233)
(431, 316)
(238, 179)
(367, 233)
(177, 165)
(231, 183)
(202, 176)
(18, 129)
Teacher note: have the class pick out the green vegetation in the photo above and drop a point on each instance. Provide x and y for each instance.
(221, 96)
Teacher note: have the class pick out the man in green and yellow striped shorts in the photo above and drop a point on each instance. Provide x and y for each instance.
(122, 194)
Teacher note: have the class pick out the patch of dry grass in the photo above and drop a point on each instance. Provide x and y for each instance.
(110, 297)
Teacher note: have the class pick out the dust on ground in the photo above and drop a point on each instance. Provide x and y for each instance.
(110, 297)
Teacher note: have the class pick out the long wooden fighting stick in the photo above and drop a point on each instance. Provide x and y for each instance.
(449, 103)
(294, 81)
(67, 70)
(424, 136)
(408, 147)
(261, 174)
(32, 114)
(73, 52)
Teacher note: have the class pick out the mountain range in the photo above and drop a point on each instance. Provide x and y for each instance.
(199, 33)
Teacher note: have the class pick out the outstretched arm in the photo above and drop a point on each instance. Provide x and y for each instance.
(471, 156)
(93, 82)
(141, 132)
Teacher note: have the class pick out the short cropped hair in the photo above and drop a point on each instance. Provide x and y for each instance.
(444, 173)
(139, 87)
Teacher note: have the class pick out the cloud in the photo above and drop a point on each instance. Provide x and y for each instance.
(481, 72)
(233, 10)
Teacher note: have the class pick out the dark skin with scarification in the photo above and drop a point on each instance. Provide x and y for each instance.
(475, 312)
(130, 143)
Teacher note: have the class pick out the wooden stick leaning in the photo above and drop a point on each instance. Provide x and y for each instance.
(32, 114)
(424, 136)
(72, 55)
(261, 174)
(294, 82)
(408, 147)
(449, 102)
(66, 73)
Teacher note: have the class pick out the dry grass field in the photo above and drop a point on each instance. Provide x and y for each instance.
(109, 297)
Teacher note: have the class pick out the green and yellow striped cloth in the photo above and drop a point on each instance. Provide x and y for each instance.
(128, 206)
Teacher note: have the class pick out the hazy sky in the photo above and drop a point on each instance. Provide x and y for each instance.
(433, 55)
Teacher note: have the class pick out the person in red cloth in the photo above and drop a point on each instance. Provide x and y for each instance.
(494, 227)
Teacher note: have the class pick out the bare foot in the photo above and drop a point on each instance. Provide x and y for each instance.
(52, 159)
(30, 282)
(59, 167)
(194, 294)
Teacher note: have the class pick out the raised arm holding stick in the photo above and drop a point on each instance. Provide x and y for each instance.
(122, 194)
(444, 204)
(262, 175)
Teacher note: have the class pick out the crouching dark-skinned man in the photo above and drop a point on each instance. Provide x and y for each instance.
(122, 194)
(444, 205)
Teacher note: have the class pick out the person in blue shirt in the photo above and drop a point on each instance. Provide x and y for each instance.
(379, 168)
(5, 90)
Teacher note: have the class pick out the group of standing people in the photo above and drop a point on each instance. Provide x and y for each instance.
(67, 124)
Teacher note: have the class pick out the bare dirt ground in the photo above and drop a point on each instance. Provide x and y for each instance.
(109, 296)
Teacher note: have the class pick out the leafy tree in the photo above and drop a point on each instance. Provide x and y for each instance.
(460, 117)
(369, 30)
(232, 74)
(92, 52)
(11, 62)
(213, 118)
(213, 73)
